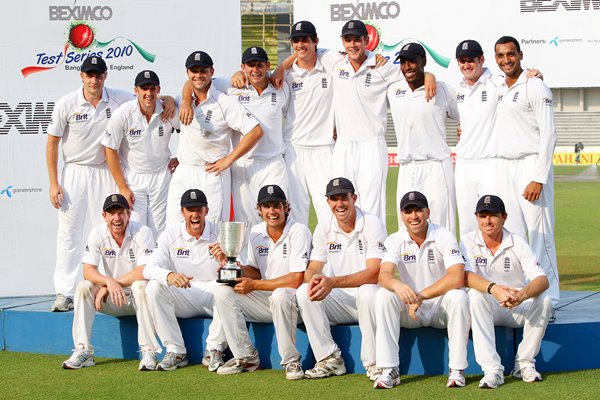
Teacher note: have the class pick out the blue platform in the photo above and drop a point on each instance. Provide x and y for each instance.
(572, 342)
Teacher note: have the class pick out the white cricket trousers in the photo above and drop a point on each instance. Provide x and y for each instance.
(217, 189)
(167, 303)
(247, 177)
(341, 306)
(278, 306)
(309, 171)
(449, 311)
(85, 313)
(435, 179)
(365, 163)
(85, 188)
(532, 315)
(532, 220)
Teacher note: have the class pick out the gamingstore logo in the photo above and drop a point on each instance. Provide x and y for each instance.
(9, 191)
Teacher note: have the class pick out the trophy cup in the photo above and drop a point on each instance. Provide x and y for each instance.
(232, 240)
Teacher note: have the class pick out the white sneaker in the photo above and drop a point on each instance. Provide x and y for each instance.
(61, 303)
(172, 361)
(332, 365)
(456, 378)
(212, 359)
(148, 361)
(80, 358)
(528, 374)
(491, 380)
(293, 371)
(389, 378)
(239, 365)
(373, 373)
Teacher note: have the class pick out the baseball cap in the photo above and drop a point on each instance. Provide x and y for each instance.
(254, 54)
(490, 203)
(354, 28)
(93, 64)
(338, 186)
(198, 59)
(411, 51)
(115, 200)
(271, 193)
(469, 48)
(193, 198)
(147, 78)
(413, 198)
(303, 29)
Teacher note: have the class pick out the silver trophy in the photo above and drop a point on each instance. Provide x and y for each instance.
(232, 238)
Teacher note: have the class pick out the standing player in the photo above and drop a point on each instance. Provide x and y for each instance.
(278, 250)
(204, 151)
(182, 274)
(122, 247)
(138, 139)
(507, 288)
(526, 135)
(351, 244)
(420, 126)
(421, 278)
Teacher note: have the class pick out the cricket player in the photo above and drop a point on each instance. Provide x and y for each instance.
(278, 250)
(137, 152)
(114, 257)
(351, 244)
(526, 137)
(421, 279)
(182, 273)
(508, 287)
(420, 126)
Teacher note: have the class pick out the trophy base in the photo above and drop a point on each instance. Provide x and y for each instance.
(229, 275)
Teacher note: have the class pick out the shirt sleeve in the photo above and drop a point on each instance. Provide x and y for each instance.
(467, 256)
(250, 253)
(540, 99)
(449, 248)
(451, 106)
(529, 263)
(300, 244)
(58, 122)
(144, 245)
(221, 84)
(329, 58)
(319, 250)
(113, 136)
(375, 237)
(391, 245)
(237, 117)
(159, 265)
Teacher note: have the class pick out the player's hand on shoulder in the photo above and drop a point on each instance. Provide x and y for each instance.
(238, 80)
(534, 73)
(186, 113)
(169, 108)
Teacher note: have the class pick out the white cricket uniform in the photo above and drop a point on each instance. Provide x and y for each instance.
(85, 178)
(143, 148)
(103, 252)
(263, 164)
(419, 268)
(360, 107)
(206, 140)
(273, 259)
(423, 154)
(345, 254)
(308, 135)
(526, 135)
(476, 156)
(177, 251)
(513, 265)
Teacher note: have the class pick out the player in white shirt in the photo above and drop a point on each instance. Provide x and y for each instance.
(114, 257)
(204, 151)
(508, 287)
(137, 152)
(345, 259)
(526, 137)
(278, 250)
(182, 273)
(421, 279)
(420, 126)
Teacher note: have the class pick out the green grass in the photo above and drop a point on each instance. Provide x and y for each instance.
(33, 376)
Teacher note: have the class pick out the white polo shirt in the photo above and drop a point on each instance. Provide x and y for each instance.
(421, 125)
(421, 267)
(359, 98)
(143, 146)
(525, 124)
(309, 119)
(208, 137)
(514, 263)
(82, 126)
(347, 253)
(274, 259)
(477, 109)
(177, 251)
(103, 250)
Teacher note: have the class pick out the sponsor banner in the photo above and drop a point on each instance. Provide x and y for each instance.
(547, 30)
(47, 40)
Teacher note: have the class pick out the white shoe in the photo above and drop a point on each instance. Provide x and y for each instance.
(456, 378)
(293, 371)
(172, 361)
(373, 372)
(491, 380)
(213, 359)
(389, 378)
(332, 365)
(61, 303)
(239, 365)
(148, 361)
(80, 358)
(528, 374)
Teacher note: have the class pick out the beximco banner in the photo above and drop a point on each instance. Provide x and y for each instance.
(552, 33)
(43, 44)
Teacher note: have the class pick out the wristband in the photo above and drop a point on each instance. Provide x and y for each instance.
(490, 286)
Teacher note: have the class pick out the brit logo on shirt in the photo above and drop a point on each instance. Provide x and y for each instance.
(108, 113)
(109, 253)
(243, 99)
(430, 256)
(180, 252)
(295, 86)
(368, 79)
(381, 246)
(515, 97)
(161, 131)
(81, 117)
(400, 93)
(334, 247)
(506, 264)
(273, 99)
(408, 258)
(324, 83)
(484, 96)
(262, 251)
(460, 98)
(456, 252)
(480, 262)
(344, 74)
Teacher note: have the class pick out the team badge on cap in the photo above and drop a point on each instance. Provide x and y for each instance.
(298, 26)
